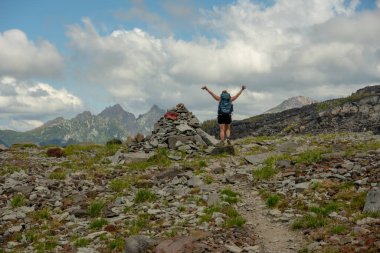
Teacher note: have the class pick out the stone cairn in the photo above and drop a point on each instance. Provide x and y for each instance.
(178, 130)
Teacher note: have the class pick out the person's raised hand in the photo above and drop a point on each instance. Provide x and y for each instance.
(204, 88)
(243, 87)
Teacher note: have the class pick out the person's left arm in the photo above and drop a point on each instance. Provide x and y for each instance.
(233, 98)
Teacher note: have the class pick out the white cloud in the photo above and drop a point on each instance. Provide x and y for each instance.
(291, 48)
(21, 125)
(23, 58)
(33, 101)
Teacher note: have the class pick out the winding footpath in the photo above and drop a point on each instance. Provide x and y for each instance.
(272, 236)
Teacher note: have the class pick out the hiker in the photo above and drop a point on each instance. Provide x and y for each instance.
(225, 109)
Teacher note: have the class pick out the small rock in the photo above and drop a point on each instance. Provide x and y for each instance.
(195, 182)
(15, 229)
(233, 248)
(92, 236)
(213, 199)
(372, 202)
(302, 186)
(138, 243)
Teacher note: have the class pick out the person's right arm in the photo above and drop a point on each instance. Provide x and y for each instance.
(216, 97)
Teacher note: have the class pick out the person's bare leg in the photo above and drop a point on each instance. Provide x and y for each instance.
(228, 132)
(221, 131)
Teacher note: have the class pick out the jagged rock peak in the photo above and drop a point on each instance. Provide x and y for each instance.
(293, 102)
(54, 122)
(116, 112)
(84, 115)
(155, 108)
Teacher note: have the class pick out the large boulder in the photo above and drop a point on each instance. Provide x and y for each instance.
(372, 202)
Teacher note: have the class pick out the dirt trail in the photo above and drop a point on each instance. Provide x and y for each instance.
(273, 237)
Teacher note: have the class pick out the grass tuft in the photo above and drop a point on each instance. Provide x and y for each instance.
(81, 242)
(95, 208)
(339, 229)
(229, 196)
(310, 156)
(58, 175)
(136, 225)
(309, 221)
(98, 223)
(18, 200)
(144, 195)
(273, 200)
(118, 185)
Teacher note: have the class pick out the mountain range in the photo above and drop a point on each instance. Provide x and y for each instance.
(112, 122)
(290, 103)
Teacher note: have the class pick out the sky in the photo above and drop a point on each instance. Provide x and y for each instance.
(59, 58)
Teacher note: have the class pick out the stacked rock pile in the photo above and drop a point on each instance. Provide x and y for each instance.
(178, 129)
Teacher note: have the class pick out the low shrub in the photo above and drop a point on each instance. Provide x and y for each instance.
(55, 152)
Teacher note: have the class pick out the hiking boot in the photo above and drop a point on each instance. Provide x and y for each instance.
(220, 144)
(228, 142)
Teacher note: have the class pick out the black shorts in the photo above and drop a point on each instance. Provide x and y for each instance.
(224, 118)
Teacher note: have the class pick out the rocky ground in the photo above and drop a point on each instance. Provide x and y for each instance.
(276, 194)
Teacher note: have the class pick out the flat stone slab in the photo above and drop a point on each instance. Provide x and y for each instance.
(372, 202)
(259, 158)
(124, 158)
(208, 139)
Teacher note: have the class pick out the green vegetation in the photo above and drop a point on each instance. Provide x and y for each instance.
(81, 242)
(23, 145)
(88, 156)
(310, 156)
(309, 221)
(273, 200)
(269, 167)
(229, 196)
(136, 225)
(18, 200)
(31, 236)
(325, 210)
(118, 185)
(144, 195)
(234, 219)
(207, 216)
(208, 179)
(160, 159)
(9, 169)
(339, 229)
(290, 127)
(58, 175)
(45, 246)
(77, 149)
(95, 208)
(98, 223)
(362, 147)
(43, 214)
(317, 216)
(202, 164)
(116, 245)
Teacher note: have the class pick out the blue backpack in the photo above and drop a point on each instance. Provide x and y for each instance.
(225, 104)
